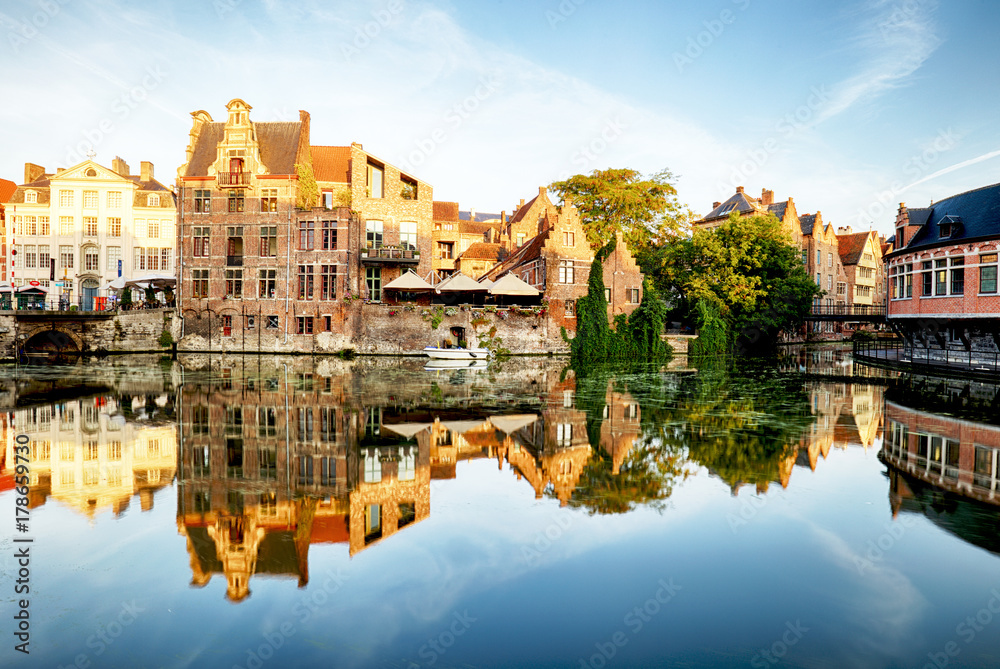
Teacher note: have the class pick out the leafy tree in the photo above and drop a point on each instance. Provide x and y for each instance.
(621, 200)
(749, 270)
(308, 193)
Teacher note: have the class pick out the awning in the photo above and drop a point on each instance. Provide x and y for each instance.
(508, 424)
(409, 282)
(460, 283)
(154, 280)
(25, 289)
(408, 430)
(117, 284)
(5, 288)
(509, 284)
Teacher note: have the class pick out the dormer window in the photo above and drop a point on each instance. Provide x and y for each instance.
(153, 201)
(949, 226)
(31, 197)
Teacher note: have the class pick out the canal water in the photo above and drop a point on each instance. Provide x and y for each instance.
(314, 512)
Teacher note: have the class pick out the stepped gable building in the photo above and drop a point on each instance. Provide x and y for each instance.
(861, 257)
(7, 189)
(76, 225)
(556, 260)
(455, 232)
(943, 273)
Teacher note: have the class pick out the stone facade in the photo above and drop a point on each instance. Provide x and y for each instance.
(88, 333)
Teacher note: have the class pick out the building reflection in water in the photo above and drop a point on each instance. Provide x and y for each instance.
(943, 467)
(95, 453)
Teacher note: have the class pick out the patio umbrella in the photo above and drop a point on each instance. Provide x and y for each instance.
(508, 424)
(460, 283)
(408, 430)
(117, 284)
(509, 284)
(485, 283)
(408, 282)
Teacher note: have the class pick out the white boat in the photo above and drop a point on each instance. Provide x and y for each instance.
(456, 353)
(451, 365)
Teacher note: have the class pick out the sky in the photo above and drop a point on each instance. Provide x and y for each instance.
(849, 108)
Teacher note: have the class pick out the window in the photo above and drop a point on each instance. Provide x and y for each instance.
(988, 273)
(957, 276)
(272, 323)
(199, 283)
(373, 234)
(927, 278)
(632, 295)
(373, 281)
(114, 227)
(66, 256)
(268, 241)
(91, 259)
(305, 282)
(564, 434)
(328, 282)
(153, 229)
(65, 225)
(233, 419)
(829, 282)
(373, 468)
(152, 200)
(819, 279)
(327, 199)
(139, 227)
(269, 199)
(307, 235)
(43, 226)
(89, 226)
(445, 250)
(43, 256)
(202, 201)
(235, 201)
(520, 239)
(819, 258)
(268, 279)
(408, 235)
(114, 199)
(569, 239)
(303, 325)
(829, 260)
(940, 277)
(234, 283)
(607, 295)
(375, 180)
(329, 235)
(805, 257)
(114, 255)
(31, 197)
(841, 288)
(165, 260)
(566, 271)
(65, 198)
(201, 241)
(234, 245)
(570, 308)
(90, 199)
(30, 256)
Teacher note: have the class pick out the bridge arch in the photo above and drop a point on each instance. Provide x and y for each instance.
(52, 340)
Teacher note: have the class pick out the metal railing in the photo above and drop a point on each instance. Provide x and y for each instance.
(847, 310)
(97, 302)
(924, 356)
(233, 178)
(395, 253)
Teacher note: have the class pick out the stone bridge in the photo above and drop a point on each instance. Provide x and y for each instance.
(39, 332)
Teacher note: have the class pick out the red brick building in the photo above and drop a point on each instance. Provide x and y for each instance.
(943, 273)
(7, 189)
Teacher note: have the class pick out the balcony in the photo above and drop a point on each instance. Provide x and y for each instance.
(393, 255)
(233, 179)
(234, 261)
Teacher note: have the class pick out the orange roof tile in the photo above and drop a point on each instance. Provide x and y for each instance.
(852, 246)
(482, 251)
(445, 211)
(7, 189)
(332, 163)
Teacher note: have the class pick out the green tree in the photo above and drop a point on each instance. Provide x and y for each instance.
(749, 271)
(622, 200)
(308, 193)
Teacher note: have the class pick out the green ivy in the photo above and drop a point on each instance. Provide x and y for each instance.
(308, 192)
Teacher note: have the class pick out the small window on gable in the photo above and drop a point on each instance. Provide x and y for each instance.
(91, 172)
(31, 197)
(949, 226)
(153, 201)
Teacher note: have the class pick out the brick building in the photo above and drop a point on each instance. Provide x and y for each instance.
(7, 189)
(943, 273)
(861, 256)
(556, 260)
(455, 232)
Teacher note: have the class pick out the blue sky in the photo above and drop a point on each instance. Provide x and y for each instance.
(849, 107)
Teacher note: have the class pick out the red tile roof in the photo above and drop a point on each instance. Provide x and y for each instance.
(445, 211)
(7, 189)
(521, 211)
(332, 163)
(482, 251)
(852, 246)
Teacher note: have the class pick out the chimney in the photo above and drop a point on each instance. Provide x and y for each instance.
(739, 189)
(541, 190)
(32, 172)
(766, 197)
(472, 214)
(715, 205)
(503, 217)
(120, 166)
(146, 170)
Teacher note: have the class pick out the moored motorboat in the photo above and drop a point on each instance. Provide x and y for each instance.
(456, 353)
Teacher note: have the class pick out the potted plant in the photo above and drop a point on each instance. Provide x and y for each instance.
(126, 300)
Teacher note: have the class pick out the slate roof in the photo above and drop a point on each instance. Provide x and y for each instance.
(740, 202)
(851, 247)
(7, 189)
(151, 185)
(482, 251)
(279, 144)
(778, 209)
(977, 211)
(919, 216)
(331, 163)
(807, 222)
(480, 217)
